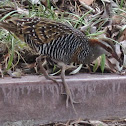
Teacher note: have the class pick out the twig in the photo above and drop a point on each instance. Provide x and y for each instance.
(87, 7)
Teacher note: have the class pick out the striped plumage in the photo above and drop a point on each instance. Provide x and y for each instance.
(60, 42)
(56, 40)
(53, 39)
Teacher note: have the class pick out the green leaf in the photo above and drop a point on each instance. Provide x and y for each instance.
(95, 67)
(12, 54)
(54, 68)
(48, 4)
(102, 66)
(122, 3)
(81, 19)
(95, 34)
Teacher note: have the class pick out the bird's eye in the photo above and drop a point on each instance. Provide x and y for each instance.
(11, 22)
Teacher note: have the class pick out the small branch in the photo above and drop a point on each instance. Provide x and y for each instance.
(87, 7)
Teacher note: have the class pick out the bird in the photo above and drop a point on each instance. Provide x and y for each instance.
(62, 43)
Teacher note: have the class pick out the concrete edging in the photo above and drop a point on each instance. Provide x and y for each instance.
(38, 99)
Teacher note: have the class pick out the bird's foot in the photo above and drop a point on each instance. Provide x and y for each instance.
(58, 77)
(42, 69)
(52, 79)
(70, 98)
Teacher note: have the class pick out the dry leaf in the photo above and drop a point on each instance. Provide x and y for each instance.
(124, 51)
(112, 63)
(119, 19)
(123, 36)
(97, 123)
(88, 2)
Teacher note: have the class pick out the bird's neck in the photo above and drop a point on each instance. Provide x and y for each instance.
(100, 45)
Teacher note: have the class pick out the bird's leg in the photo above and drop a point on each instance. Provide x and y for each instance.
(68, 92)
(42, 69)
(1, 71)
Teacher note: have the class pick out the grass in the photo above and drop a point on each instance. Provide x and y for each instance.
(75, 20)
(13, 42)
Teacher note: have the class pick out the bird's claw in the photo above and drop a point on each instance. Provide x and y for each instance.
(52, 79)
(69, 98)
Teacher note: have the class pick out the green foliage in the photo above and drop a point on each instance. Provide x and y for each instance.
(11, 54)
(75, 20)
(102, 66)
(95, 67)
(122, 3)
(81, 19)
(7, 15)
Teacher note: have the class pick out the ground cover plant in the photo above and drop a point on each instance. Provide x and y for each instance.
(102, 18)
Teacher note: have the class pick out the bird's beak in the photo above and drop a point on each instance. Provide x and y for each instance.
(119, 59)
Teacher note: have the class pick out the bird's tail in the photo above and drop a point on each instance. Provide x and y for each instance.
(8, 26)
(6, 18)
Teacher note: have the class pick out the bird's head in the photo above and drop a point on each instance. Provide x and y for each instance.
(106, 46)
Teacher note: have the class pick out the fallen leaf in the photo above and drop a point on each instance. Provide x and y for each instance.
(88, 2)
(97, 123)
(123, 36)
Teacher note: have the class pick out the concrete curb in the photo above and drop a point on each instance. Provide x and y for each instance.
(38, 99)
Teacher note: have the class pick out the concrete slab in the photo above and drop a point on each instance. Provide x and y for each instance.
(38, 99)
